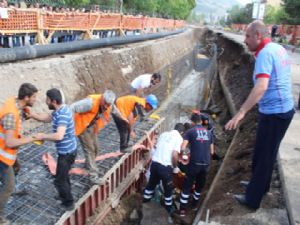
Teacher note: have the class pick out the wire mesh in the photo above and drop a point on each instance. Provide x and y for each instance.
(33, 201)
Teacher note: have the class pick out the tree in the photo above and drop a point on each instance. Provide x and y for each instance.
(241, 15)
(275, 15)
(292, 9)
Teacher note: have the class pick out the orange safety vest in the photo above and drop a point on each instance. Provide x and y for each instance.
(9, 155)
(82, 120)
(126, 104)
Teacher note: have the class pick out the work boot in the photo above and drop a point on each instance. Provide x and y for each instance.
(69, 206)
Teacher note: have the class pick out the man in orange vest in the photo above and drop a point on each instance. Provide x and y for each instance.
(12, 113)
(90, 115)
(127, 109)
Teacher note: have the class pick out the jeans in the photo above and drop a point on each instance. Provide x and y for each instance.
(124, 131)
(7, 178)
(62, 178)
(89, 143)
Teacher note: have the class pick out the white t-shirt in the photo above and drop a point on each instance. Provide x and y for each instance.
(142, 81)
(167, 143)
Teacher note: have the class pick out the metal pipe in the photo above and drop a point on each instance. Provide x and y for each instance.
(37, 51)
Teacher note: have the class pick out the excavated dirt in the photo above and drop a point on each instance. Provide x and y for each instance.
(236, 66)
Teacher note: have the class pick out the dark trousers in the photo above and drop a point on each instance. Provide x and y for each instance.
(270, 131)
(159, 172)
(62, 178)
(7, 178)
(194, 173)
(124, 131)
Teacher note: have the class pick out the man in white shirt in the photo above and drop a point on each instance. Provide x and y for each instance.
(164, 158)
(144, 81)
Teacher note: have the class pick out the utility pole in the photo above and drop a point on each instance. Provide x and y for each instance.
(121, 6)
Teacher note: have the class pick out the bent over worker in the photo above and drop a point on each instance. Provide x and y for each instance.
(92, 114)
(63, 134)
(273, 92)
(201, 149)
(164, 158)
(127, 109)
(140, 83)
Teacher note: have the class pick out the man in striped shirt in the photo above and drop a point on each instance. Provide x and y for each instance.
(65, 141)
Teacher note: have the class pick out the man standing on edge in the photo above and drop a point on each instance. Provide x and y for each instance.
(144, 81)
(164, 159)
(201, 150)
(92, 114)
(272, 92)
(11, 117)
(65, 141)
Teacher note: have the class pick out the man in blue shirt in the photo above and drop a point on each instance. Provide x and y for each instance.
(272, 92)
(201, 150)
(65, 141)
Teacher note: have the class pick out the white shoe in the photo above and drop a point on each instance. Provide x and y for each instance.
(170, 220)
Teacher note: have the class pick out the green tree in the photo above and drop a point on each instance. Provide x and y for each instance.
(241, 15)
(275, 15)
(292, 9)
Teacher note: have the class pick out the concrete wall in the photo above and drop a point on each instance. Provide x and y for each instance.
(82, 73)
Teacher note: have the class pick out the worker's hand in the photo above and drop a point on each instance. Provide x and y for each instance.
(232, 124)
(133, 135)
(38, 136)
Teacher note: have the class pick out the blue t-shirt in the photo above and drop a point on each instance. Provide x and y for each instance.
(273, 62)
(200, 140)
(64, 117)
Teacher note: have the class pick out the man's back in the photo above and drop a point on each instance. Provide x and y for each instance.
(167, 143)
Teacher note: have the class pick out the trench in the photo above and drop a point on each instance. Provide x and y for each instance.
(214, 84)
(202, 71)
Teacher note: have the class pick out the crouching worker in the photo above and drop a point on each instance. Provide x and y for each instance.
(92, 114)
(164, 158)
(65, 141)
(201, 149)
(125, 112)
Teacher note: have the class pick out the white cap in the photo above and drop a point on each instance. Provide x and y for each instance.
(109, 96)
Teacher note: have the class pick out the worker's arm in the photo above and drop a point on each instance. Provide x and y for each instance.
(184, 144)
(131, 121)
(255, 95)
(212, 149)
(12, 142)
(82, 106)
(43, 117)
(139, 92)
(175, 157)
(57, 136)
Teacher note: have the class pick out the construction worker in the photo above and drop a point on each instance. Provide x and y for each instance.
(64, 137)
(201, 148)
(90, 115)
(144, 81)
(12, 113)
(127, 109)
(164, 159)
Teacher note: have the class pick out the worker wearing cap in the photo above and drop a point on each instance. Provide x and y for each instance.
(12, 113)
(164, 159)
(127, 108)
(201, 148)
(144, 81)
(90, 115)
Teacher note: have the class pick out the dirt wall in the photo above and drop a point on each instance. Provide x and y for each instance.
(82, 73)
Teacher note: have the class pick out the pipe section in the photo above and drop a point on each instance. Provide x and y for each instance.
(37, 51)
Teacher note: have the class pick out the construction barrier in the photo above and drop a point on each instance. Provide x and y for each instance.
(45, 24)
